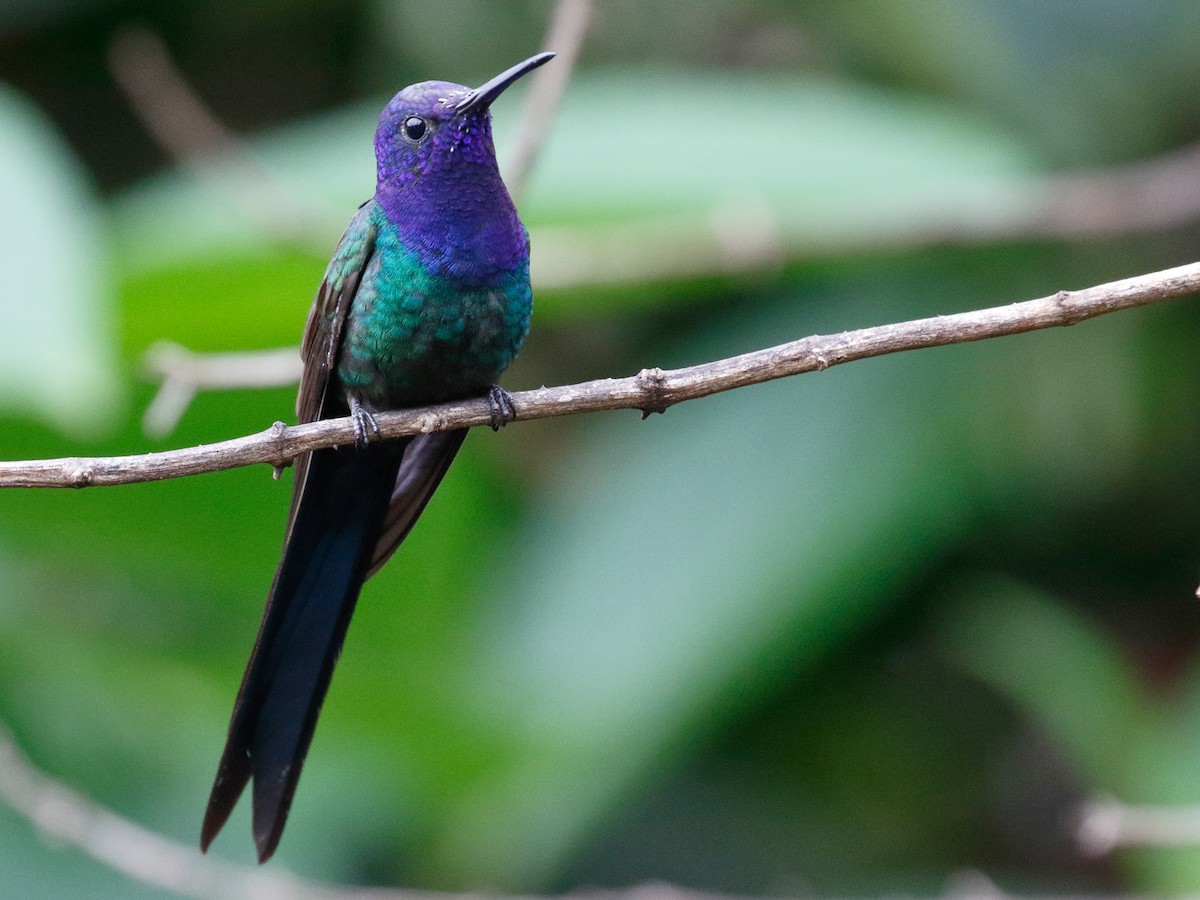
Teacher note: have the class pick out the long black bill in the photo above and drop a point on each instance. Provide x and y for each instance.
(482, 97)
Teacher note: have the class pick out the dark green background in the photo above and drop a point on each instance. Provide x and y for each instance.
(849, 634)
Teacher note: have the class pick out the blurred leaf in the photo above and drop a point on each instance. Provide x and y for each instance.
(239, 302)
(651, 144)
(55, 349)
(1078, 684)
(1088, 89)
(817, 158)
(1065, 672)
(675, 572)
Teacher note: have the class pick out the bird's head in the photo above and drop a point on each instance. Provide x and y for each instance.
(436, 128)
(438, 181)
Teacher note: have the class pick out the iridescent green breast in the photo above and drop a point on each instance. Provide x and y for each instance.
(413, 337)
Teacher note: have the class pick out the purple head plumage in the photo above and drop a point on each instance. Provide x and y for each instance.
(437, 175)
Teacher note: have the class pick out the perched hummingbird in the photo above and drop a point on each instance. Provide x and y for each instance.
(427, 299)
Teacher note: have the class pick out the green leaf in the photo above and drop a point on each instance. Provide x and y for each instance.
(1111, 84)
(56, 345)
(1061, 669)
(632, 145)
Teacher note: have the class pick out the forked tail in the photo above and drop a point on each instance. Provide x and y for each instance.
(329, 551)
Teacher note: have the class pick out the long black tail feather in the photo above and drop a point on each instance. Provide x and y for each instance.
(337, 524)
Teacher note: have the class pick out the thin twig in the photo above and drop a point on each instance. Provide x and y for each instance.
(651, 390)
(1156, 194)
(748, 236)
(124, 846)
(1107, 824)
(1160, 192)
(71, 819)
(183, 373)
(168, 107)
(565, 37)
(178, 119)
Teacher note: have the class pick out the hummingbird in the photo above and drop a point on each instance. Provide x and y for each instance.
(426, 300)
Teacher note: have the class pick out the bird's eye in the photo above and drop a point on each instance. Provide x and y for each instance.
(414, 128)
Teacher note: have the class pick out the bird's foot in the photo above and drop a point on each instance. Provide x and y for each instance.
(500, 405)
(364, 423)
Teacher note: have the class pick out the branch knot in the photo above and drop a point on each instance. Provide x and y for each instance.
(428, 423)
(81, 475)
(278, 434)
(653, 385)
(1073, 311)
(651, 390)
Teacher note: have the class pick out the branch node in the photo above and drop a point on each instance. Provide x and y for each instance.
(651, 390)
(1068, 302)
(431, 422)
(653, 384)
(81, 476)
(278, 433)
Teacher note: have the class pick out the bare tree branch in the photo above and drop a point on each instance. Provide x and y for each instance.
(126, 847)
(66, 816)
(651, 390)
(1144, 197)
(565, 37)
(183, 373)
(1106, 824)
(149, 858)
(1147, 196)
(1161, 192)
(173, 113)
(167, 105)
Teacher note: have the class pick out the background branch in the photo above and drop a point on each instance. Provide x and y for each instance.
(196, 139)
(1159, 193)
(150, 858)
(182, 374)
(565, 37)
(651, 390)
(1148, 196)
(1107, 824)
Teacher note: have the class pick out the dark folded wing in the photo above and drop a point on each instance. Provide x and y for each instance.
(323, 331)
(427, 456)
(426, 460)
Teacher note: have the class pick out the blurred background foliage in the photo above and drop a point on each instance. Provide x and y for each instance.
(847, 634)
